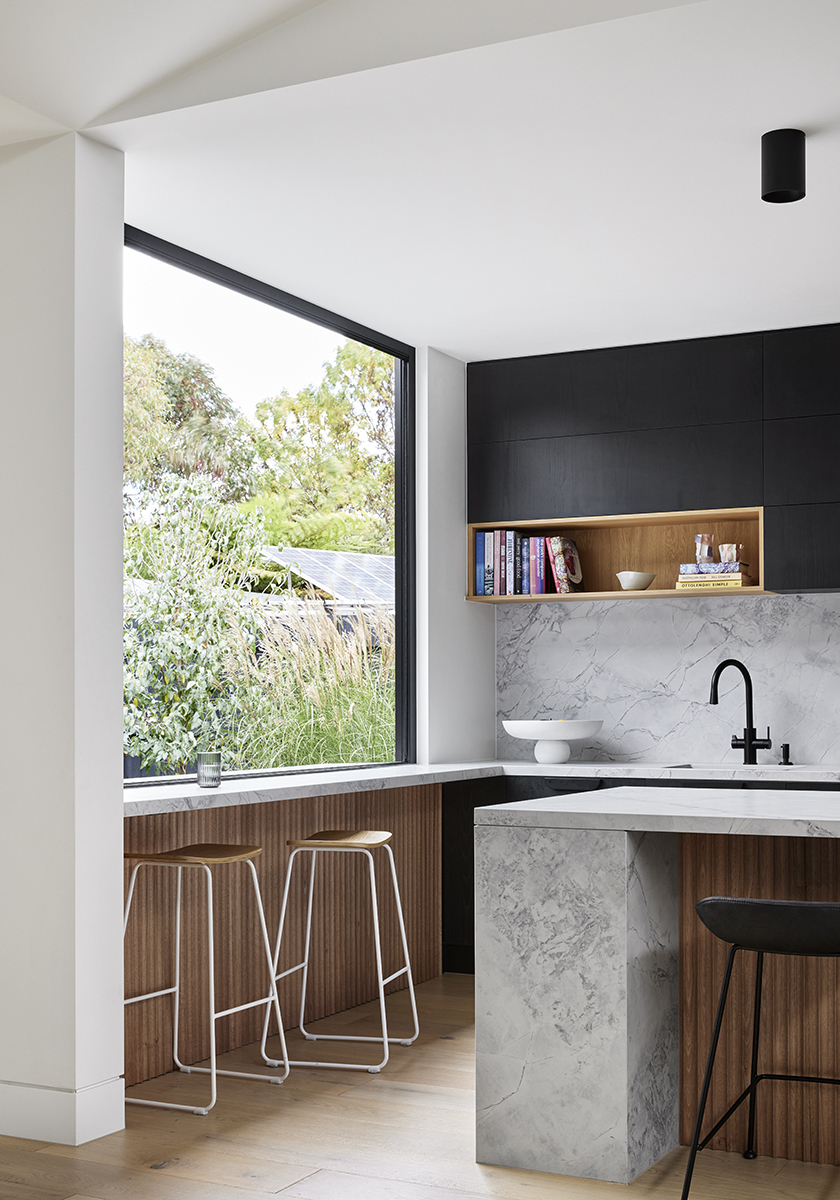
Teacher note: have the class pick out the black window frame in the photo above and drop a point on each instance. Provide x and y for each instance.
(405, 740)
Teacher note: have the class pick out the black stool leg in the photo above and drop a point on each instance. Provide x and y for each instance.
(704, 1094)
(759, 969)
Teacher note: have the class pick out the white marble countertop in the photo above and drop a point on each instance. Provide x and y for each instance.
(181, 795)
(769, 772)
(765, 813)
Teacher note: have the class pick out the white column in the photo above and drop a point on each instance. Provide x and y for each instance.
(61, 1051)
(456, 641)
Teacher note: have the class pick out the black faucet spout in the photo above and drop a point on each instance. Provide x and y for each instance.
(749, 743)
(733, 662)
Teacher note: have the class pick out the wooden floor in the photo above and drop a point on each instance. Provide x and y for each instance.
(406, 1134)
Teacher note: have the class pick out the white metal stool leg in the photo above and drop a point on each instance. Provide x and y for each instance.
(271, 1001)
(270, 1061)
(306, 945)
(384, 1039)
(403, 939)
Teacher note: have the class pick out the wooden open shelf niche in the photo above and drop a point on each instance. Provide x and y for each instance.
(656, 542)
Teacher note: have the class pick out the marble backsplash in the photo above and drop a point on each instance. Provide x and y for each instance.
(644, 667)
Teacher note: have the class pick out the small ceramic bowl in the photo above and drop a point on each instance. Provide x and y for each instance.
(635, 581)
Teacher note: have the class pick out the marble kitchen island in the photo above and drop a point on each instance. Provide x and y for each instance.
(577, 967)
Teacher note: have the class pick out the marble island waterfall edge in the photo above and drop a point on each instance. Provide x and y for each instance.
(577, 1052)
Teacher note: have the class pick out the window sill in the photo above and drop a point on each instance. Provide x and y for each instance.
(188, 796)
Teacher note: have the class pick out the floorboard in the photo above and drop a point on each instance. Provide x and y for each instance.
(405, 1134)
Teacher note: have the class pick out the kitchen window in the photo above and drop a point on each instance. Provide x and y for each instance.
(269, 526)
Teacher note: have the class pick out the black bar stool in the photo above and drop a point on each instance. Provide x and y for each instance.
(798, 927)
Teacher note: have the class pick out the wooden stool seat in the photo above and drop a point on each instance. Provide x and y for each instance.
(201, 854)
(355, 839)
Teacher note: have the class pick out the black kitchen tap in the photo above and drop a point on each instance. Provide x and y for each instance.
(749, 743)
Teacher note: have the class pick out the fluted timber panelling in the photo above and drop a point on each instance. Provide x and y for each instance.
(800, 999)
(342, 971)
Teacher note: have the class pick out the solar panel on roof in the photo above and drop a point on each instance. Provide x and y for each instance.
(348, 576)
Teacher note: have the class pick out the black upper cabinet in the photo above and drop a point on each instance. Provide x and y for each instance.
(705, 381)
(659, 470)
(727, 422)
(800, 548)
(801, 461)
(802, 372)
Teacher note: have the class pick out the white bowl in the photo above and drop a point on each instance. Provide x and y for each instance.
(635, 581)
(553, 737)
(551, 731)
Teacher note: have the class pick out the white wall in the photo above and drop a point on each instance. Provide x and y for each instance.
(61, 1053)
(455, 640)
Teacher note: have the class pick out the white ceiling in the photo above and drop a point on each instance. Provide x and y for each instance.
(486, 177)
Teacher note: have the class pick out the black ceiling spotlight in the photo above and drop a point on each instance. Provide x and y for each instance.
(782, 166)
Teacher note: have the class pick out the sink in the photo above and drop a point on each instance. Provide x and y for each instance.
(726, 766)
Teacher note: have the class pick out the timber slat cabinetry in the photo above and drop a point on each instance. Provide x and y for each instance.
(343, 973)
(800, 1019)
(653, 542)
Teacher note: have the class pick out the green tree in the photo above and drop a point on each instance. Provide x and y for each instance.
(329, 454)
(179, 422)
(146, 417)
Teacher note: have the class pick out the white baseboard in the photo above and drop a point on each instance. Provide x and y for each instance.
(52, 1115)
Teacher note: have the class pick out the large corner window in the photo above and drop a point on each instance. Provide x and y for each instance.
(268, 505)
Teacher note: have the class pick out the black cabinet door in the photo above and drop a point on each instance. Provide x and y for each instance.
(800, 548)
(705, 381)
(460, 799)
(802, 461)
(662, 470)
(802, 372)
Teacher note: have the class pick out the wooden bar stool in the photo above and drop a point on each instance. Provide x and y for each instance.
(203, 857)
(800, 927)
(345, 841)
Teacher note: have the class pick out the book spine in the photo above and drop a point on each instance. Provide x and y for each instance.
(698, 583)
(558, 564)
(497, 562)
(517, 559)
(551, 573)
(502, 562)
(510, 563)
(532, 565)
(488, 563)
(526, 566)
(539, 565)
(479, 563)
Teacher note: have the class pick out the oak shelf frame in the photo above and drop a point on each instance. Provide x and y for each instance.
(654, 542)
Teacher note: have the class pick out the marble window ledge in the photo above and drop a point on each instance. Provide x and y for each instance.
(179, 796)
(182, 797)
